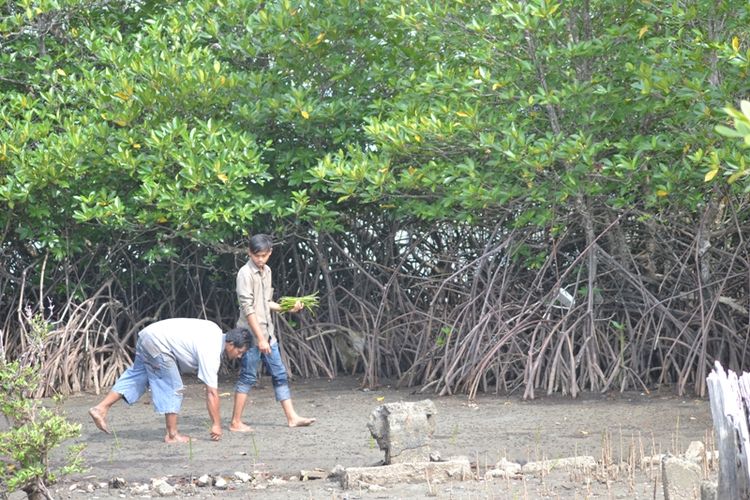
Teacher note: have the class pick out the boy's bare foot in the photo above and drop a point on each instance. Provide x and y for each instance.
(301, 422)
(99, 418)
(178, 438)
(241, 427)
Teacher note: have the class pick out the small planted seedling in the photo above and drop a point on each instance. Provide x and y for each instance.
(115, 446)
(256, 452)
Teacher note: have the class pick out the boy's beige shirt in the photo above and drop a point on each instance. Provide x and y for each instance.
(254, 292)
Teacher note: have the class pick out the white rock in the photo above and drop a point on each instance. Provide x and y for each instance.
(696, 452)
(204, 480)
(318, 473)
(508, 466)
(583, 462)
(242, 476)
(163, 488)
(220, 483)
(651, 461)
(140, 489)
(500, 473)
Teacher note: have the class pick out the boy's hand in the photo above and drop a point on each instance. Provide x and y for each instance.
(264, 347)
(297, 307)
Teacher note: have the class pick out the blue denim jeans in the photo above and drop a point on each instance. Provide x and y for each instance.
(156, 370)
(249, 372)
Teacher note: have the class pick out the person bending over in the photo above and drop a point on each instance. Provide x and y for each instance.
(161, 351)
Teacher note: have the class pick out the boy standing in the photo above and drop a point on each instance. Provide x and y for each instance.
(162, 349)
(255, 294)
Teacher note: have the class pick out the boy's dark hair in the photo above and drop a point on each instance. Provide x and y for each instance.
(239, 337)
(260, 243)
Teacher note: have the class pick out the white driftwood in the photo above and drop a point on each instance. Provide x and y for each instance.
(730, 402)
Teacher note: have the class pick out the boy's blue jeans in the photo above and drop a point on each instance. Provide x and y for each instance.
(154, 369)
(249, 372)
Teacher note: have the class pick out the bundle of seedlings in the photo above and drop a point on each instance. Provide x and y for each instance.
(309, 302)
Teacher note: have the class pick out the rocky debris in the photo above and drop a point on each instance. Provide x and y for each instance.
(204, 480)
(404, 430)
(162, 488)
(457, 469)
(681, 478)
(117, 483)
(317, 473)
(710, 490)
(243, 477)
(504, 469)
(578, 463)
(696, 452)
(140, 489)
(85, 488)
(337, 473)
(171, 486)
(652, 461)
(220, 483)
(500, 474)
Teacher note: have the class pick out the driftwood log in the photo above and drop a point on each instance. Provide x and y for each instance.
(730, 405)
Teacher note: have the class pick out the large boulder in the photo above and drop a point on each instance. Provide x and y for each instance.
(404, 430)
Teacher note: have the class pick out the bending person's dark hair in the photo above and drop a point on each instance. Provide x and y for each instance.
(239, 337)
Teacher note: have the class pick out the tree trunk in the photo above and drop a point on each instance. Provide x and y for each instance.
(729, 409)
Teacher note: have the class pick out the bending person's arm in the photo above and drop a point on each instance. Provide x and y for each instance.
(212, 404)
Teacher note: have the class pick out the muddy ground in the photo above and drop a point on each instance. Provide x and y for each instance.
(612, 428)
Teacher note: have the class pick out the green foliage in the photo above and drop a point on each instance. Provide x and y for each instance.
(540, 105)
(738, 169)
(201, 119)
(309, 302)
(35, 430)
(443, 336)
(191, 120)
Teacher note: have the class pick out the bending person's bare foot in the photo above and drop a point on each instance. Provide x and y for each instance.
(177, 438)
(100, 419)
(241, 427)
(301, 422)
